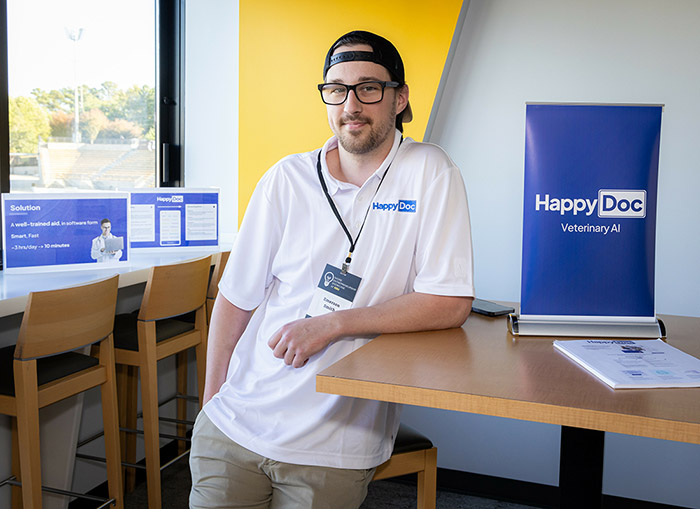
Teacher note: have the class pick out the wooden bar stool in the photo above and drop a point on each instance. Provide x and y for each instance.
(44, 368)
(219, 260)
(142, 339)
(413, 453)
(213, 291)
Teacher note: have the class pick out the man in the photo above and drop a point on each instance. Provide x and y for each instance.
(266, 438)
(100, 251)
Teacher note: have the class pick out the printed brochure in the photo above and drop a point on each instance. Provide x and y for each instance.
(629, 364)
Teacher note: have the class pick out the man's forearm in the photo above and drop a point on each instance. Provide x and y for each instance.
(299, 340)
(227, 325)
(407, 313)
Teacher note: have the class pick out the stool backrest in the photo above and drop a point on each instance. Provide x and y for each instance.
(219, 267)
(175, 289)
(58, 321)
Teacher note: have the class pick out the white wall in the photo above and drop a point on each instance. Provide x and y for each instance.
(211, 104)
(624, 51)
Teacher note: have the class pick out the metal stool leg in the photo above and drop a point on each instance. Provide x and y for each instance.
(181, 363)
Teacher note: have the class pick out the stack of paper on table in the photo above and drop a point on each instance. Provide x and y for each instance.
(629, 364)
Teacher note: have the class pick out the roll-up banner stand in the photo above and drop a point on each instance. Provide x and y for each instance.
(174, 219)
(46, 232)
(589, 221)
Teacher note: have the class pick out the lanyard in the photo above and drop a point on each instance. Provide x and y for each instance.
(353, 243)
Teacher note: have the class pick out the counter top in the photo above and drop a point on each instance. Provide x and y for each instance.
(15, 288)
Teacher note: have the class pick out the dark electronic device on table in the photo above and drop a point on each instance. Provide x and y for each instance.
(488, 308)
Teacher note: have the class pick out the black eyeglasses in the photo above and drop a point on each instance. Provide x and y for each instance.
(367, 92)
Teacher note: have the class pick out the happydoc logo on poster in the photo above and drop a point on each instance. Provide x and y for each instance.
(589, 218)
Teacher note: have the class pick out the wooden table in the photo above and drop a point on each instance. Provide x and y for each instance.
(481, 368)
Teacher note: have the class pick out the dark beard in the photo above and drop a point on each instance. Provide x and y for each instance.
(353, 145)
(377, 135)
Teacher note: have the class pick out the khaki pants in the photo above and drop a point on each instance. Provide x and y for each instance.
(225, 474)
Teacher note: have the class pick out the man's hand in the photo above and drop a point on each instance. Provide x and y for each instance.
(299, 340)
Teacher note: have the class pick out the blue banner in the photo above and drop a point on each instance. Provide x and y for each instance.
(589, 220)
(52, 230)
(174, 218)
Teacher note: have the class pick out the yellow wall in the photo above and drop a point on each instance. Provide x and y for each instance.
(282, 47)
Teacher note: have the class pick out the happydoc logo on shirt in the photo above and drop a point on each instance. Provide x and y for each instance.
(400, 206)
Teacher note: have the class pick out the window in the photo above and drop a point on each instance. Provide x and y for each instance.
(90, 103)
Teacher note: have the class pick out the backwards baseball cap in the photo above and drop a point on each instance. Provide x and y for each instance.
(383, 53)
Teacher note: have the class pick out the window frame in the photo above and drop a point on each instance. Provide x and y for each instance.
(170, 92)
(4, 107)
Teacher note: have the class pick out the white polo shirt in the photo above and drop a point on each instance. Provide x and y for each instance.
(416, 238)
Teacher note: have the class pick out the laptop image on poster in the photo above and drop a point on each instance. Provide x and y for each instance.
(114, 244)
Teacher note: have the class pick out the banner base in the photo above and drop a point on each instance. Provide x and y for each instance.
(519, 326)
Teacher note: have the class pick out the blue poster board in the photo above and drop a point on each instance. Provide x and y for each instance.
(174, 218)
(45, 232)
(589, 222)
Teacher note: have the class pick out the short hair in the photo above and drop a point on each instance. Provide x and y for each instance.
(105, 220)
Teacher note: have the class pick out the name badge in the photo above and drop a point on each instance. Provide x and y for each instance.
(335, 292)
